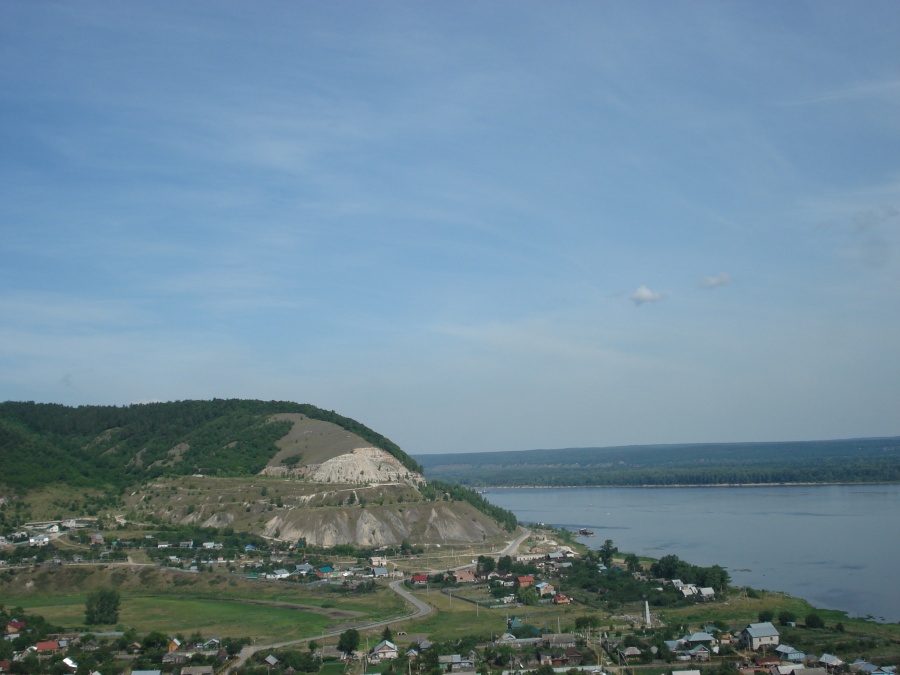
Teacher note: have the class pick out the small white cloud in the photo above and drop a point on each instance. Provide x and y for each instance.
(721, 279)
(644, 294)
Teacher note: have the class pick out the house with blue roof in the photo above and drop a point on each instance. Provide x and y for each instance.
(788, 653)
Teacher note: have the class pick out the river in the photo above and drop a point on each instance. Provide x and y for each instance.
(837, 546)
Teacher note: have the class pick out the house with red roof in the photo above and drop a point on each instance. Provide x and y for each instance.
(464, 576)
(51, 646)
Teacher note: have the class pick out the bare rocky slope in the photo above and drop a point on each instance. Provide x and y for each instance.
(278, 469)
(424, 522)
(321, 514)
(326, 486)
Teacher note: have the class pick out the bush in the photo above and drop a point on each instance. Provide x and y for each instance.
(813, 620)
(786, 617)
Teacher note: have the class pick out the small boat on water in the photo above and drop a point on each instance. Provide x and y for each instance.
(584, 532)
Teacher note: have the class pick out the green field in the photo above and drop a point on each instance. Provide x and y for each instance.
(457, 618)
(333, 668)
(173, 602)
(222, 618)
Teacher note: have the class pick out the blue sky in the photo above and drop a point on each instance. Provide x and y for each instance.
(472, 226)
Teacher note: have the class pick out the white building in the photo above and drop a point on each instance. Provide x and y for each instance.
(760, 635)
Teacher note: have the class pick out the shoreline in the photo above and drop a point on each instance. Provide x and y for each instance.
(676, 485)
(649, 523)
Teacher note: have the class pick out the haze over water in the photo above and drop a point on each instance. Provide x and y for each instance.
(833, 545)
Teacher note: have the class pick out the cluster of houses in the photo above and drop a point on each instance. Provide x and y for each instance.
(377, 569)
(191, 555)
(175, 653)
(561, 650)
(700, 645)
(777, 664)
(258, 569)
(691, 591)
(207, 545)
(37, 534)
(558, 650)
(33, 540)
(42, 649)
(551, 561)
(774, 658)
(387, 650)
(468, 575)
(782, 659)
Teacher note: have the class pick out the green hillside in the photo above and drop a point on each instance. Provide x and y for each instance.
(93, 446)
(832, 461)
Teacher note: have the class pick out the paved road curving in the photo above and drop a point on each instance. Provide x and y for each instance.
(513, 546)
(421, 609)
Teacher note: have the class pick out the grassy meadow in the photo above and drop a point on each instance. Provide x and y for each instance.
(221, 605)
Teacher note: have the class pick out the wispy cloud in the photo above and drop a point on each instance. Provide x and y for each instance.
(58, 312)
(644, 294)
(721, 279)
(871, 218)
(860, 90)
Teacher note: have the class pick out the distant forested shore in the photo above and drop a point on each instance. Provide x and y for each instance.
(867, 460)
(680, 485)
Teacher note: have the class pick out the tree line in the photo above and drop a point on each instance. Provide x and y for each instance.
(436, 490)
(96, 446)
(864, 470)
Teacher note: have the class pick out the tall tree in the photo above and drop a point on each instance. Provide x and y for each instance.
(486, 564)
(607, 551)
(102, 607)
(348, 642)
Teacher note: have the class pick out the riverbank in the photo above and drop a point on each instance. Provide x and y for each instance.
(805, 540)
(483, 490)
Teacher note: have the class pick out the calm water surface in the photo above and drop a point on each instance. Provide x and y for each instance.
(837, 546)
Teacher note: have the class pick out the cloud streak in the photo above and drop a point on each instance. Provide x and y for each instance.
(721, 279)
(644, 295)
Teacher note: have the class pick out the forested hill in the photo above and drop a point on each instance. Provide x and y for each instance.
(44, 443)
(838, 461)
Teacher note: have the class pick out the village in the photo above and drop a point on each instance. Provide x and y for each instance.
(513, 592)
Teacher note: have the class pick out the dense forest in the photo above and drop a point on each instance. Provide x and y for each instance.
(865, 460)
(117, 446)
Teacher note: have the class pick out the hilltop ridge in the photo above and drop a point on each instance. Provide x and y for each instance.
(282, 470)
(96, 445)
